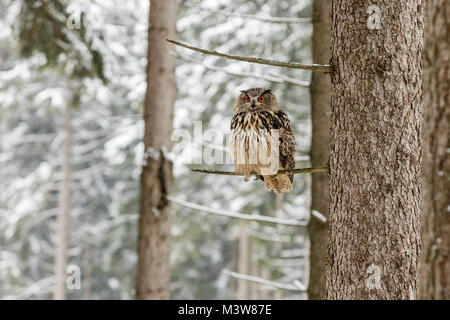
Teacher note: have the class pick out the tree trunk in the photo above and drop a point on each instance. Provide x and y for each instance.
(254, 268)
(375, 160)
(435, 267)
(63, 213)
(321, 110)
(153, 275)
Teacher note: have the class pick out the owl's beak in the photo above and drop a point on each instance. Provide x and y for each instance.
(253, 104)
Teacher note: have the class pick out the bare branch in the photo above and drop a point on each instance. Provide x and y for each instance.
(270, 62)
(272, 78)
(238, 215)
(297, 286)
(293, 171)
(249, 16)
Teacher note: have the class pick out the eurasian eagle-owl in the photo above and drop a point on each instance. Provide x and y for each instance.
(262, 141)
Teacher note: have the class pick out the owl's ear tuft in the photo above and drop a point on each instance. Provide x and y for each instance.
(244, 91)
(267, 91)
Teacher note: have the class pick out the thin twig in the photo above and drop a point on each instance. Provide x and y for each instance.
(272, 78)
(293, 171)
(271, 62)
(238, 215)
(253, 17)
(297, 286)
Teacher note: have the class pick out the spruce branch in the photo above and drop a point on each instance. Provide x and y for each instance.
(297, 286)
(236, 215)
(271, 77)
(270, 62)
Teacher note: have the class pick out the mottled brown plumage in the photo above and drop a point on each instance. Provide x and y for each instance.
(262, 141)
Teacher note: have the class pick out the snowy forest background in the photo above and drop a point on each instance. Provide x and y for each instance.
(106, 154)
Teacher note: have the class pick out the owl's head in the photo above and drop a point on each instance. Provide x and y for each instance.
(256, 99)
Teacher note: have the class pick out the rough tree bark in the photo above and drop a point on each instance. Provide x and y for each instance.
(375, 160)
(60, 292)
(321, 110)
(153, 275)
(435, 263)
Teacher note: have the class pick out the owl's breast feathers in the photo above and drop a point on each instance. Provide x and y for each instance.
(267, 120)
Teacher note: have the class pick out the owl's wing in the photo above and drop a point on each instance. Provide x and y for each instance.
(286, 141)
(235, 121)
(235, 126)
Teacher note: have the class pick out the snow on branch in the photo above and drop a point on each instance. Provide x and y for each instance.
(270, 238)
(297, 286)
(231, 214)
(293, 171)
(319, 216)
(270, 62)
(249, 16)
(40, 287)
(272, 78)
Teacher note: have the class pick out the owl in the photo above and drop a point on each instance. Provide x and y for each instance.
(261, 140)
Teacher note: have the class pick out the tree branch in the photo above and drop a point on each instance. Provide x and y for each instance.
(253, 17)
(238, 215)
(293, 171)
(297, 286)
(272, 78)
(319, 216)
(270, 62)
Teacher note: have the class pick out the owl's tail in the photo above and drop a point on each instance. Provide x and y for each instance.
(279, 183)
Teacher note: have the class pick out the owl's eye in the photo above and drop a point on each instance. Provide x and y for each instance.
(247, 99)
(261, 99)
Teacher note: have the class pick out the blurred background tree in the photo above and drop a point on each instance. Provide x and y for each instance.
(43, 27)
(435, 265)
